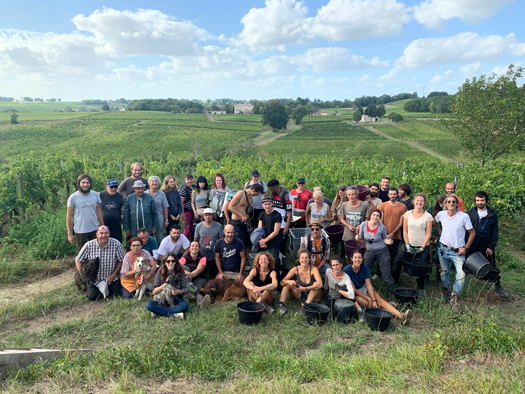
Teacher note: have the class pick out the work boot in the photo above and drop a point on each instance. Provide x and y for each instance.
(282, 309)
(203, 302)
(446, 296)
(499, 290)
(455, 305)
(406, 317)
(267, 308)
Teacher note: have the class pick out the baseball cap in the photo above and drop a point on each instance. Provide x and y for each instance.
(300, 180)
(112, 182)
(255, 173)
(208, 210)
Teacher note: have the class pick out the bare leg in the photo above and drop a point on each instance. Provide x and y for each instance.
(313, 296)
(251, 296)
(284, 293)
(385, 305)
(267, 297)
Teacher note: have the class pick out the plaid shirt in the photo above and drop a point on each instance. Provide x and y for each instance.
(316, 257)
(109, 256)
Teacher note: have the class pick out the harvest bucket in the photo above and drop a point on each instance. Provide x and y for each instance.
(250, 312)
(476, 264)
(362, 190)
(352, 245)
(335, 233)
(316, 313)
(343, 311)
(406, 296)
(415, 268)
(378, 319)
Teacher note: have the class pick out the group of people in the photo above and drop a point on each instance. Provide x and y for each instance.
(219, 225)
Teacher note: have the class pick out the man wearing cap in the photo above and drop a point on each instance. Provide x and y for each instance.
(256, 203)
(111, 206)
(84, 207)
(140, 211)
(127, 184)
(207, 233)
(318, 245)
(110, 254)
(301, 195)
(270, 220)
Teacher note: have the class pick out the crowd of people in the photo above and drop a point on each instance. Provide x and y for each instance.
(219, 226)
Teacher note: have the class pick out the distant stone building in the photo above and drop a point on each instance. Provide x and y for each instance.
(366, 119)
(221, 112)
(243, 109)
(322, 113)
(122, 109)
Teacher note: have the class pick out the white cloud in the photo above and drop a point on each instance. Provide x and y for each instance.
(322, 82)
(330, 59)
(432, 13)
(461, 48)
(470, 69)
(365, 79)
(284, 22)
(440, 78)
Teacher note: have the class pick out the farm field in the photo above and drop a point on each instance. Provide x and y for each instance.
(44, 116)
(325, 119)
(23, 106)
(239, 118)
(342, 111)
(414, 130)
(397, 107)
(331, 131)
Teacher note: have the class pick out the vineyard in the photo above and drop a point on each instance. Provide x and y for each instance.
(325, 119)
(239, 118)
(332, 131)
(415, 130)
(44, 116)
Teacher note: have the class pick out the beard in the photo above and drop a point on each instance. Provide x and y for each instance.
(373, 194)
(84, 190)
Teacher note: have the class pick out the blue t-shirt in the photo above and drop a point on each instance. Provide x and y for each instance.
(151, 245)
(358, 279)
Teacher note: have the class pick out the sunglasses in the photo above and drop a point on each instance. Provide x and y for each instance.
(113, 187)
(316, 229)
(170, 261)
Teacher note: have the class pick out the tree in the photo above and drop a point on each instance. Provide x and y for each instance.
(487, 115)
(299, 113)
(68, 109)
(397, 118)
(14, 119)
(371, 110)
(380, 111)
(105, 107)
(275, 116)
(358, 114)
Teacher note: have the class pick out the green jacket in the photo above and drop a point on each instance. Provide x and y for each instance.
(138, 215)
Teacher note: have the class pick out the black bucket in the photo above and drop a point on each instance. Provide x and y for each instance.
(416, 268)
(335, 233)
(250, 312)
(316, 313)
(343, 311)
(406, 296)
(378, 319)
(476, 264)
(352, 245)
(492, 276)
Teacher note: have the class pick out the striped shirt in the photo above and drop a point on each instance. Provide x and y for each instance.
(181, 284)
(109, 256)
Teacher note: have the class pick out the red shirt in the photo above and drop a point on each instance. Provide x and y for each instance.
(301, 201)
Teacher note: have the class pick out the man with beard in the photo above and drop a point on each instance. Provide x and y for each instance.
(353, 213)
(127, 184)
(140, 211)
(175, 242)
(83, 207)
(485, 223)
(450, 188)
(207, 233)
(371, 198)
(230, 256)
(111, 206)
(393, 212)
(383, 190)
(404, 196)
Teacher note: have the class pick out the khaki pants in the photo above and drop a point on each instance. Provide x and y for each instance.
(231, 274)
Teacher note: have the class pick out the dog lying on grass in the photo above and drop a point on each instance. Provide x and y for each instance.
(88, 274)
(140, 284)
(222, 290)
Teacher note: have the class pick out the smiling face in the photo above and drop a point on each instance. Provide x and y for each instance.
(357, 259)
(385, 183)
(374, 218)
(481, 203)
(111, 190)
(189, 182)
(154, 183)
(218, 182)
(419, 202)
(450, 188)
(103, 235)
(352, 195)
(194, 248)
(136, 172)
(373, 191)
(304, 259)
(392, 195)
(263, 262)
(175, 234)
(300, 187)
(229, 232)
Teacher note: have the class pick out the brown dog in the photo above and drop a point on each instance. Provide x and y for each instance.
(222, 290)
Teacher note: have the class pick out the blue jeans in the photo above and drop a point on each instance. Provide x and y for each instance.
(446, 256)
(153, 306)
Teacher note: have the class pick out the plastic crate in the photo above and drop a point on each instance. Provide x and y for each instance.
(295, 239)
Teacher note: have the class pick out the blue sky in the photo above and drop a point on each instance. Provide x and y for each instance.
(332, 49)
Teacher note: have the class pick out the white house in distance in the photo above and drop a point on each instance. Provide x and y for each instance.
(218, 112)
(322, 113)
(366, 118)
(243, 109)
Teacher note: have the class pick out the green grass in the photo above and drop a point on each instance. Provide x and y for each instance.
(397, 107)
(44, 116)
(239, 118)
(331, 131)
(325, 119)
(414, 130)
(342, 111)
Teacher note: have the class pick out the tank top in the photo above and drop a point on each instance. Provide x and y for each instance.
(193, 264)
(267, 280)
(201, 200)
(303, 284)
(318, 215)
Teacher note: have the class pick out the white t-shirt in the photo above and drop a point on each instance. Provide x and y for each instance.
(453, 229)
(330, 282)
(417, 228)
(483, 213)
(167, 245)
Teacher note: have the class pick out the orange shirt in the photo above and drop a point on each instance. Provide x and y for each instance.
(391, 217)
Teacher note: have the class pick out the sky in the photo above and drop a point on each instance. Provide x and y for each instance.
(326, 49)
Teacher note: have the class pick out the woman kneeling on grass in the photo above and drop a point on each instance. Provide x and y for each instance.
(307, 285)
(365, 294)
(338, 283)
(170, 265)
(262, 281)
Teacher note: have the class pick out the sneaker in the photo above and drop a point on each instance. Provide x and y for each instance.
(455, 306)
(206, 301)
(179, 315)
(154, 315)
(282, 309)
(361, 314)
(446, 296)
(191, 288)
(499, 290)
(375, 276)
(268, 309)
(406, 317)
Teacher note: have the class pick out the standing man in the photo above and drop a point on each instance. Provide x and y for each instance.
(111, 205)
(452, 225)
(161, 206)
(404, 196)
(110, 254)
(485, 223)
(450, 188)
(383, 190)
(239, 206)
(175, 242)
(207, 233)
(393, 212)
(126, 185)
(140, 211)
(281, 203)
(84, 207)
(230, 256)
(353, 213)
(256, 203)
(318, 244)
(270, 220)
(300, 201)
(372, 199)
(185, 196)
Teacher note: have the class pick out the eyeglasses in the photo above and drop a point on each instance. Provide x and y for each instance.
(170, 261)
(136, 246)
(316, 229)
(113, 187)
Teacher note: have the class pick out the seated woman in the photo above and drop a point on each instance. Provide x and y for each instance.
(319, 210)
(169, 266)
(262, 280)
(374, 235)
(338, 283)
(128, 272)
(306, 285)
(194, 263)
(365, 295)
